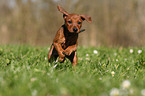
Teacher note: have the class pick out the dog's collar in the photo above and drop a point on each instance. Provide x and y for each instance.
(81, 30)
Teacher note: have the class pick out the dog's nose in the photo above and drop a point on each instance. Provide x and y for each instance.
(75, 29)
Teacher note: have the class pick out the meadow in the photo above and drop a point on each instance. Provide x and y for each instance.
(101, 71)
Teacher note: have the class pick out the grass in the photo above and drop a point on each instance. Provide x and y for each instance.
(25, 71)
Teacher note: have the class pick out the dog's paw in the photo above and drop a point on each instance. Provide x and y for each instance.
(66, 52)
(61, 59)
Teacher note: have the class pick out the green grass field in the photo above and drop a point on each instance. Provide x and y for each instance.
(101, 71)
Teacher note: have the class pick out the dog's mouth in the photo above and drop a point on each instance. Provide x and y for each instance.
(77, 31)
(74, 30)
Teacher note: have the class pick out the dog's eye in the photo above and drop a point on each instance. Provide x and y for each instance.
(79, 23)
(69, 22)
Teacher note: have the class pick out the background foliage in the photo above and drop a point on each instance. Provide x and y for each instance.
(115, 22)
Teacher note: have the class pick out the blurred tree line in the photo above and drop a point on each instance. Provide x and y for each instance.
(115, 22)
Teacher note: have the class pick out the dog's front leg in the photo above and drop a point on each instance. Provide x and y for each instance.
(60, 51)
(70, 49)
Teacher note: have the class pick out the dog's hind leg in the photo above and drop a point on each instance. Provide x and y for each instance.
(52, 55)
(73, 58)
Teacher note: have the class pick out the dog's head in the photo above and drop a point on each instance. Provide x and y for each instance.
(73, 22)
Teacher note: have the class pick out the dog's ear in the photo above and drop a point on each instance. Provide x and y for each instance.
(85, 17)
(62, 11)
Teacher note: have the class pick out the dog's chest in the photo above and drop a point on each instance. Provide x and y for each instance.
(69, 40)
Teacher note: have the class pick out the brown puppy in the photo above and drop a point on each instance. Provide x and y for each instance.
(66, 39)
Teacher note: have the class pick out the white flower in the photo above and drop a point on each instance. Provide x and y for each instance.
(33, 79)
(48, 48)
(115, 54)
(116, 60)
(48, 74)
(139, 51)
(126, 84)
(143, 92)
(113, 73)
(45, 58)
(107, 70)
(100, 78)
(87, 55)
(28, 67)
(54, 66)
(131, 91)
(80, 58)
(114, 92)
(95, 51)
(34, 93)
(64, 91)
(125, 59)
(131, 50)
(56, 61)
(87, 58)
